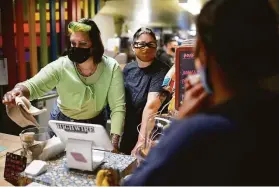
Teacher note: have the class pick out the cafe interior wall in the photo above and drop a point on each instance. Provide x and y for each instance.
(106, 27)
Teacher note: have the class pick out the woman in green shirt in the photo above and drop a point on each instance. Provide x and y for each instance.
(85, 80)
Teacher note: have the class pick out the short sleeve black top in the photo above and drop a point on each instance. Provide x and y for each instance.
(138, 83)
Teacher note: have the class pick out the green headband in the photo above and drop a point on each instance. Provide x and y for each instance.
(77, 26)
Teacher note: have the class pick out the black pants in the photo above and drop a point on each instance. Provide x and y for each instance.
(130, 136)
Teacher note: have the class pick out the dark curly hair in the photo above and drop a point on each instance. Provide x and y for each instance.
(144, 30)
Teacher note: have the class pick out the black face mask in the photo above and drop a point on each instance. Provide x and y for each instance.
(79, 55)
(173, 50)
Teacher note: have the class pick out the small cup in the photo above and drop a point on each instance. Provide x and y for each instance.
(27, 137)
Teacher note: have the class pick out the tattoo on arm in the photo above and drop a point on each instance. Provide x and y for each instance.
(162, 97)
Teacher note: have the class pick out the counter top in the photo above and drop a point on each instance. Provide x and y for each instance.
(12, 144)
(58, 174)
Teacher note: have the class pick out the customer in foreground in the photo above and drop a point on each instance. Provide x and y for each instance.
(233, 140)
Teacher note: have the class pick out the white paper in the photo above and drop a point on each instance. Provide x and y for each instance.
(3, 72)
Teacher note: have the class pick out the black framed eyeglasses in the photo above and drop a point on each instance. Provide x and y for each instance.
(142, 45)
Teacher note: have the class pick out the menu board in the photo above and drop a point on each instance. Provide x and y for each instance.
(14, 165)
(184, 66)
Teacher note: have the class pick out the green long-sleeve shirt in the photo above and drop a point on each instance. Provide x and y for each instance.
(80, 97)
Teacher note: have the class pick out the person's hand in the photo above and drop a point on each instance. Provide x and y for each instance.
(194, 99)
(138, 144)
(9, 97)
(115, 142)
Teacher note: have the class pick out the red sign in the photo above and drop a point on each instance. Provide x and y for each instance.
(14, 165)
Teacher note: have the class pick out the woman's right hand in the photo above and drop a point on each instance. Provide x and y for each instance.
(194, 99)
(9, 97)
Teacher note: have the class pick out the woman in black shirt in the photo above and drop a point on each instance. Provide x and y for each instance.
(143, 79)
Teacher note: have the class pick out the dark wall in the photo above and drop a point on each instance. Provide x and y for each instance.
(6, 124)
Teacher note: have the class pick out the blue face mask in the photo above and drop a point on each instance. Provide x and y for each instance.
(204, 76)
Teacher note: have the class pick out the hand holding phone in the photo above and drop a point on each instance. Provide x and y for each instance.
(194, 79)
(194, 98)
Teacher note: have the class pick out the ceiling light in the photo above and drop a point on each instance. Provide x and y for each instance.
(142, 15)
(192, 6)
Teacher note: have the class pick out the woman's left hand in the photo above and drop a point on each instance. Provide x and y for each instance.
(194, 100)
